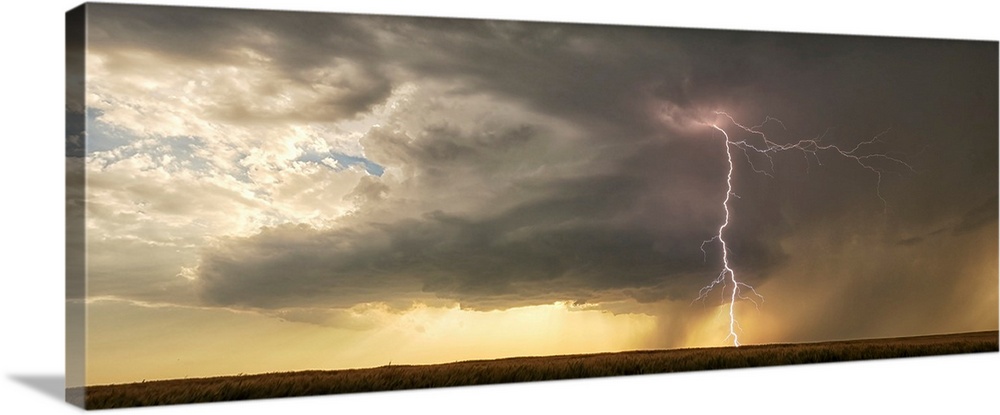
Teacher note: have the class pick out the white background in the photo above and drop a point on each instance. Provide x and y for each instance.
(31, 258)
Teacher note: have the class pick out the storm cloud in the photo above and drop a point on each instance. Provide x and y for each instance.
(527, 163)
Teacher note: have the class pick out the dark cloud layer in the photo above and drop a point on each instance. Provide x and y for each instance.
(519, 210)
(577, 238)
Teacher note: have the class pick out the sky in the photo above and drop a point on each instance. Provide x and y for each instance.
(280, 191)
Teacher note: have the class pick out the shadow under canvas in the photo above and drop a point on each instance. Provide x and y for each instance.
(53, 386)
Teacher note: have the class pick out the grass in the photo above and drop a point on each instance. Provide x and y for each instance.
(524, 369)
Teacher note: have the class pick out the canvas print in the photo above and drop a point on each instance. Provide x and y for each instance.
(271, 204)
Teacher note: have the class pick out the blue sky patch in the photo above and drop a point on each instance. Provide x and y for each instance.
(344, 161)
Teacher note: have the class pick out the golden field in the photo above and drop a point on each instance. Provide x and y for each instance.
(525, 369)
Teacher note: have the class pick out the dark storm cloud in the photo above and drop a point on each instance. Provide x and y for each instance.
(614, 226)
(555, 238)
(296, 40)
(521, 254)
(306, 49)
(634, 195)
(982, 215)
(977, 218)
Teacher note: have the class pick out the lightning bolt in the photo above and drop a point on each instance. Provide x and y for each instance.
(731, 286)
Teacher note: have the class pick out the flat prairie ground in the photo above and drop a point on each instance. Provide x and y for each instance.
(524, 369)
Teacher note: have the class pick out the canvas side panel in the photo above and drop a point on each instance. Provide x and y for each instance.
(75, 204)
